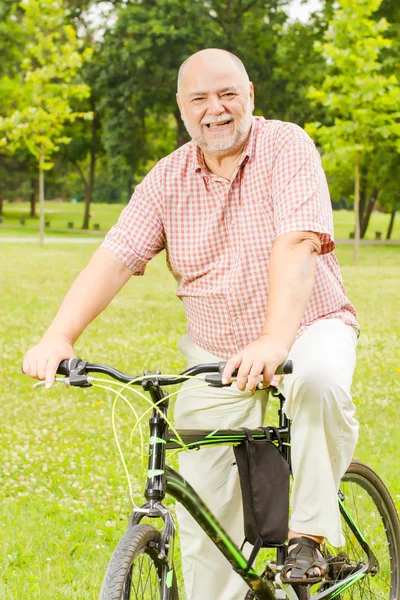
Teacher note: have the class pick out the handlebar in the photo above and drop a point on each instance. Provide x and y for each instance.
(78, 370)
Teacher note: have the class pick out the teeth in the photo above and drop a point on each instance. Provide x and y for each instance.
(217, 124)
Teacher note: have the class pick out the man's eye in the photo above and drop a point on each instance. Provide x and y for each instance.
(228, 95)
(197, 99)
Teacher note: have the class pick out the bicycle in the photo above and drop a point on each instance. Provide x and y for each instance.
(142, 565)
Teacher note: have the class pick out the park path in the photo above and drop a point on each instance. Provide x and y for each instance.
(98, 240)
(53, 240)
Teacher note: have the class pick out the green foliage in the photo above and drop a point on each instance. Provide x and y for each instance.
(144, 49)
(139, 62)
(361, 100)
(363, 103)
(132, 79)
(40, 94)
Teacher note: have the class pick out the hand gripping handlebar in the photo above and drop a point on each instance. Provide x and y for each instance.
(77, 371)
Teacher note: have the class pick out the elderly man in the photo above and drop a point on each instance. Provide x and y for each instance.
(243, 211)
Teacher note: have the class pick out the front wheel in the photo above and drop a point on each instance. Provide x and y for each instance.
(135, 571)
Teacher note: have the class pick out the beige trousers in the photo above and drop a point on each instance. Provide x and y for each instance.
(324, 435)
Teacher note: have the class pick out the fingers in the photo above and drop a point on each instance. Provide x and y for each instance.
(29, 366)
(258, 359)
(253, 378)
(50, 372)
(248, 375)
(41, 361)
(267, 374)
(25, 367)
(232, 364)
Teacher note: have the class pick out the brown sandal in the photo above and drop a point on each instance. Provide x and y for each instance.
(305, 562)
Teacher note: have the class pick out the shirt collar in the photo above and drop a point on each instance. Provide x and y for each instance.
(248, 153)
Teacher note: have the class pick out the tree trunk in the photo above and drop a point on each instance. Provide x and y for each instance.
(391, 223)
(368, 211)
(92, 169)
(363, 192)
(357, 206)
(41, 195)
(1, 191)
(363, 202)
(182, 136)
(32, 198)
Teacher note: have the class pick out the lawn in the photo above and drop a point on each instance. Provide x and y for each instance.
(105, 215)
(63, 493)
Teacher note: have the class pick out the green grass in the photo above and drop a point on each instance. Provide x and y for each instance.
(63, 494)
(59, 214)
(344, 224)
(105, 215)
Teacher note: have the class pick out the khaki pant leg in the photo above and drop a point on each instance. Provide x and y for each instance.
(324, 430)
(211, 472)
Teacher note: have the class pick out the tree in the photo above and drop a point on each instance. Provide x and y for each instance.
(144, 48)
(363, 102)
(387, 171)
(44, 88)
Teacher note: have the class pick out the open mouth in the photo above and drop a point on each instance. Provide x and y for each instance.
(215, 125)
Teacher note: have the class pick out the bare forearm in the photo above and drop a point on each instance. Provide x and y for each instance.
(291, 278)
(90, 294)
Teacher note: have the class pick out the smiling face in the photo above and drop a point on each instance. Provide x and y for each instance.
(216, 101)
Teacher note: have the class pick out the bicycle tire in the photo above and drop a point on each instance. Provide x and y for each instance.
(372, 509)
(135, 571)
(378, 522)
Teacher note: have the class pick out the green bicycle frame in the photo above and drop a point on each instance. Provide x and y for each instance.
(162, 480)
(180, 489)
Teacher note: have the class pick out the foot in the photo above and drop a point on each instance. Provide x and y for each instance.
(305, 562)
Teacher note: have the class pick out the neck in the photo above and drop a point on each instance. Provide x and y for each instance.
(225, 164)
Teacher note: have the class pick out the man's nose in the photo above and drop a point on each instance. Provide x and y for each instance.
(215, 106)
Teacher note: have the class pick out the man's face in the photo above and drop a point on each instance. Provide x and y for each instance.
(216, 104)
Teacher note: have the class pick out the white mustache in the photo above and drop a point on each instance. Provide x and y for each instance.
(219, 120)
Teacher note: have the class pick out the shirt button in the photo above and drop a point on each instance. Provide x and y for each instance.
(231, 290)
(237, 320)
(233, 222)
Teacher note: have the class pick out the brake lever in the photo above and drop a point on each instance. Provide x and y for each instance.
(56, 380)
(77, 373)
(215, 379)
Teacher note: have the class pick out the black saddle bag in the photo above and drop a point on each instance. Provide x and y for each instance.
(264, 480)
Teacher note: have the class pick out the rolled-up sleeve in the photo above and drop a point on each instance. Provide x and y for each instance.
(139, 233)
(300, 191)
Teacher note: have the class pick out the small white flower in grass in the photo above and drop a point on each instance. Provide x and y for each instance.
(110, 523)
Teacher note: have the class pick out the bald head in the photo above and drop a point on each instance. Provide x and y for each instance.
(208, 57)
(216, 101)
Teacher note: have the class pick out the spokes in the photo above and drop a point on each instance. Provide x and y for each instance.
(144, 580)
(369, 521)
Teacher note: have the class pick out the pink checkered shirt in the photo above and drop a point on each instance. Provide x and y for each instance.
(218, 234)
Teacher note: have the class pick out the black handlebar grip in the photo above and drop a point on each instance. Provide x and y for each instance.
(63, 368)
(285, 368)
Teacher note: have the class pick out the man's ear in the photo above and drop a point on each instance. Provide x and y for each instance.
(251, 93)
(179, 104)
